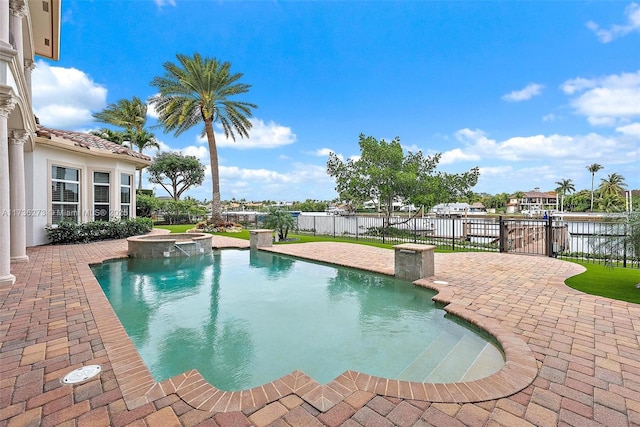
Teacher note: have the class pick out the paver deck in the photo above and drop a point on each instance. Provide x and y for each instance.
(572, 359)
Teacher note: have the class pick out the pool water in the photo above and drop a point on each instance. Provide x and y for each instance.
(244, 318)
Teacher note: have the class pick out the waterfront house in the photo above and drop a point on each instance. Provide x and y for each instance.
(47, 175)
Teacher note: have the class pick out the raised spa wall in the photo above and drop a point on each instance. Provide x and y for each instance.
(169, 245)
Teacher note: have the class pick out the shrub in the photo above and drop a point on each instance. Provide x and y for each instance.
(68, 232)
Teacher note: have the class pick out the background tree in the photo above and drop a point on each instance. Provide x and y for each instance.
(110, 135)
(593, 169)
(130, 115)
(199, 90)
(146, 204)
(279, 220)
(610, 203)
(578, 202)
(176, 173)
(385, 171)
(612, 185)
(564, 186)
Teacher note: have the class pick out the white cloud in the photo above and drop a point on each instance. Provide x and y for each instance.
(549, 117)
(257, 175)
(607, 100)
(162, 3)
(531, 90)
(65, 97)
(261, 135)
(323, 152)
(540, 147)
(151, 110)
(457, 155)
(632, 13)
(200, 152)
(632, 130)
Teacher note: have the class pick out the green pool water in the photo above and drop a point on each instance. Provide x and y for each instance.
(244, 318)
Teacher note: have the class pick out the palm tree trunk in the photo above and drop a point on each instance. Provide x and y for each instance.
(592, 177)
(216, 205)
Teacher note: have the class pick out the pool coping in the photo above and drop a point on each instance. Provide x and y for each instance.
(139, 388)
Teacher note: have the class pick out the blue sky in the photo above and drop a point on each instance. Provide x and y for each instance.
(531, 92)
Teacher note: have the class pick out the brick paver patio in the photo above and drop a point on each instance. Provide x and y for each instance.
(571, 359)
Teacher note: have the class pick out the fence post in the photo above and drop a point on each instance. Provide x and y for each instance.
(415, 231)
(334, 226)
(625, 241)
(314, 225)
(356, 226)
(383, 230)
(453, 234)
(502, 233)
(549, 236)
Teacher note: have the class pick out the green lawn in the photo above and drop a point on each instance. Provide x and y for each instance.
(615, 283)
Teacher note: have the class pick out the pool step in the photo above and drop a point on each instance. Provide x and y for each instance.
(454, 366)
(428, 359)
(489, 361)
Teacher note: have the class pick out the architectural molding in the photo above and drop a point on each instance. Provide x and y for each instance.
(29, 65)
(18, 8)
(18, 137)
(7, 102)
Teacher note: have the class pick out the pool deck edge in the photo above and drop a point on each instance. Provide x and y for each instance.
(571, 358)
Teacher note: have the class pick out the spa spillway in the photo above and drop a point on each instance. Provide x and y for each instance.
(169, 245)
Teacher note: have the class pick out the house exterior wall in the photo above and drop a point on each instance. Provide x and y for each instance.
(39, 189)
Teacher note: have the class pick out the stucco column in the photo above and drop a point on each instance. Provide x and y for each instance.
(17, 196)
(7, 102)
(4, 22)
(29, 66)
(18, 10)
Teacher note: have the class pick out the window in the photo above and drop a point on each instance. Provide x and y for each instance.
(101, 191)
(65, 194)
(125, 195)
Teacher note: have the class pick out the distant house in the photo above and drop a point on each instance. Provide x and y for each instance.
(47, 175)
(477, 208)
(451, 209)
(534, 202)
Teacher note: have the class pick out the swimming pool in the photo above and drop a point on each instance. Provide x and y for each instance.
(245, 318)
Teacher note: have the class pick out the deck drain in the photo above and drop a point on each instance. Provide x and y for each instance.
(440, 282)
(81, 374)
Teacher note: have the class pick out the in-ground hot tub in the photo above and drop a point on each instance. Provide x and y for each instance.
(170, 245)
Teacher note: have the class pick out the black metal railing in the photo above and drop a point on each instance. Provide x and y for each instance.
(610, 241)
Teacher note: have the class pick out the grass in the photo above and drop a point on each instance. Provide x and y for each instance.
(615, 283)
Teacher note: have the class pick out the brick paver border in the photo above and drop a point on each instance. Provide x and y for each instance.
(571, 358)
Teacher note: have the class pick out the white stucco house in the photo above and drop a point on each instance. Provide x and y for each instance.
(47, 174)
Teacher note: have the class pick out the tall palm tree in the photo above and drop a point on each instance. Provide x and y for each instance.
(141, 140)
(613, 185)
(198, 90)
(593, 169)
(131, 115)
(564, 186)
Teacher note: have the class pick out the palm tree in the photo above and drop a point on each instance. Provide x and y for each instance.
(131, 115)
(564, 186)
(611, 202)
(141, 140)
(593, 169)
(110, 135)
(612, 185)
(199, 90)
(126, 114)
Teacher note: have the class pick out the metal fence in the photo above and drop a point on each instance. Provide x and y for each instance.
(605, 240)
